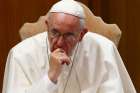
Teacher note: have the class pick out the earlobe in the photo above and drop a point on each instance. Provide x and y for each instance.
(83, 33)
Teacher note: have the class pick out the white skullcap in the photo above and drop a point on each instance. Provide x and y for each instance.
(69, 7)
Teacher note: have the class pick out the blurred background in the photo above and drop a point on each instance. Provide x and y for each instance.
(125, 13)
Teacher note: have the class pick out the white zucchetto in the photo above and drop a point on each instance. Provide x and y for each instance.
(69, 7)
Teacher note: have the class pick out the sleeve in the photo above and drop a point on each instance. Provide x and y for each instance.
(16, 80)
(116, 79)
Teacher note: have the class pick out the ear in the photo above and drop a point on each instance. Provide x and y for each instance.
(46, 22)
(83, 32)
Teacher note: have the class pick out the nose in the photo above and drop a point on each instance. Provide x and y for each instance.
(60, 41)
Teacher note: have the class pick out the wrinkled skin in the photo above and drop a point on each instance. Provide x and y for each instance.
(64, 32)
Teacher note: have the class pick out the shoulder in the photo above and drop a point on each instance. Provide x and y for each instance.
(94, 39)
(105, 48)
(30, 45)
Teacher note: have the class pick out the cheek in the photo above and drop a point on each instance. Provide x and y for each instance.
(52, 43)
(71, 43)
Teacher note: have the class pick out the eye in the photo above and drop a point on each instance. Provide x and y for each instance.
(69, 34)
(54, 32)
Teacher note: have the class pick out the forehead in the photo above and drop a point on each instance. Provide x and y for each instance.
(64, 20)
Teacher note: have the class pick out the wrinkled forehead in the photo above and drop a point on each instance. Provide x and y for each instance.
(64, 19)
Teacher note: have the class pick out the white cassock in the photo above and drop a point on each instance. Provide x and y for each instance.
(96, 68)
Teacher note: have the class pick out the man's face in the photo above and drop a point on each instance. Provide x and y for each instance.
(64, 31)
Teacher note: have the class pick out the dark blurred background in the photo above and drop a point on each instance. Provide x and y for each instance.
(125, 13)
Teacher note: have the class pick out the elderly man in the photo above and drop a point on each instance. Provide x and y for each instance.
(66, 59)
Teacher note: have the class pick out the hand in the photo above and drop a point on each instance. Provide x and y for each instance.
(57, 58)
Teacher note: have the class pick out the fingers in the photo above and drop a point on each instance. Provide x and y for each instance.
(65, 60)
(59, 50)
(62, 56)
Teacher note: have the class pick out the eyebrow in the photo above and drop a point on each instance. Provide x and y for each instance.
(55, 30)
